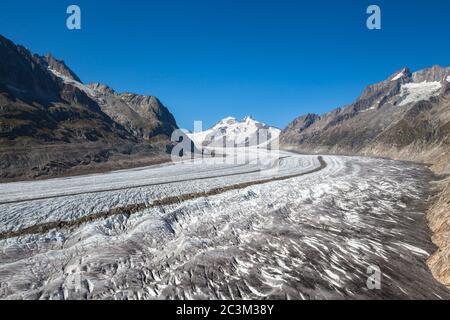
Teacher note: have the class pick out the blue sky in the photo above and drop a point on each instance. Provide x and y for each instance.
(274, 60)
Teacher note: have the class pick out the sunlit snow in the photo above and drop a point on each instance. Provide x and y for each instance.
(414, 92)
(232, 130)
(398, 76)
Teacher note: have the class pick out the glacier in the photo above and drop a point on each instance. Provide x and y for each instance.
(310, 236)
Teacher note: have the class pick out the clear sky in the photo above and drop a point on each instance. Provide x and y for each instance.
(208, 59)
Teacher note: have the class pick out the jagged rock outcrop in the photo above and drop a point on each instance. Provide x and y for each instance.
(144, 116)
(59, 66)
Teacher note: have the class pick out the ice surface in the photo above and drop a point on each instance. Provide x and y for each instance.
(308, 237)
(414, 92)
(27, 203)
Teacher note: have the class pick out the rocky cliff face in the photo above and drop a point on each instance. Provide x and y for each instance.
(59, 66)
(50, 122)
(144, 116)
(439, 223)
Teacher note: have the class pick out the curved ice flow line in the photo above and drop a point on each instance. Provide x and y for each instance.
(17, 216)
(173, 186)
(98, 182)
(48, 189)
(152, 174)
(69, 192)
(38, 228)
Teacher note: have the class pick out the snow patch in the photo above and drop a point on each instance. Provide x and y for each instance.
(398, 76)
(414, 92)
(369, 109)
(413, 249)
(79, 85)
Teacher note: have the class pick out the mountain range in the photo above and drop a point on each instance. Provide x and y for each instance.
(406, 116)
(52, 124)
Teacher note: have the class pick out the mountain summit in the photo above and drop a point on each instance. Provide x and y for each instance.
(229, 131)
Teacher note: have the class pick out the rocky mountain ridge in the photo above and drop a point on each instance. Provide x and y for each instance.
(145, 116)
(51, 123)
(406, 116)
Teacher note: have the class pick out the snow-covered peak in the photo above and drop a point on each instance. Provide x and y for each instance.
(401, 74)
(248, 119)
(225, 122)
(246, 124)
(237, 132)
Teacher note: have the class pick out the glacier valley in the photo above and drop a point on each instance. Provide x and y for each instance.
(308, 230)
